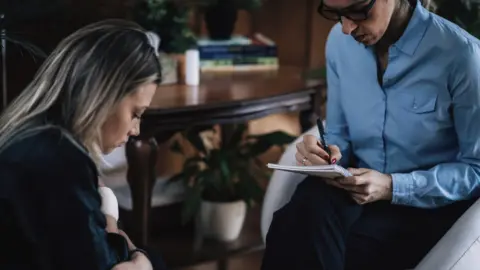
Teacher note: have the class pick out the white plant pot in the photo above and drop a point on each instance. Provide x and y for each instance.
(222, 220)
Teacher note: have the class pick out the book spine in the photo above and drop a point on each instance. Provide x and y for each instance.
(240, 61)
(238, 51)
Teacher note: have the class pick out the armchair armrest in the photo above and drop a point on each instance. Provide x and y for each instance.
(282, 184)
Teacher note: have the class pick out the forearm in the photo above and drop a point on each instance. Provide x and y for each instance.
(442, 185)
(112, 226)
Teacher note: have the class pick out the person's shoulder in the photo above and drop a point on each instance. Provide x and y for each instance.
(335, 38)
(339, 45)
(45, 146)
(462, 48)
(450, 35)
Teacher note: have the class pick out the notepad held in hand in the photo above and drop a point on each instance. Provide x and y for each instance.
(325, 171)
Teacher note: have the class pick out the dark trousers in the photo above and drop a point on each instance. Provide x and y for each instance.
(323, 228)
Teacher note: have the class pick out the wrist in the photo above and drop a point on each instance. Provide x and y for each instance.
(389, 194)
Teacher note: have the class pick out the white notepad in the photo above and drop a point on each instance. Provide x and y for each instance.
(325, 171)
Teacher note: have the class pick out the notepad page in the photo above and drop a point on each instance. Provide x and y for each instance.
(319, 170)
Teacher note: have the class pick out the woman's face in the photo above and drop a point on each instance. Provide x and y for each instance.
(125, 120)
(370, 30)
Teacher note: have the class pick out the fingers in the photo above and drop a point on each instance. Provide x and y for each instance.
(358, 171)
(313, 145)
(360, 198)
(353, 180)
(362, 190)
(313, 159)
(336, 155)
(300, 160)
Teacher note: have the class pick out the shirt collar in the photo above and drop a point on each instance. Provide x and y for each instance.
(415, 31)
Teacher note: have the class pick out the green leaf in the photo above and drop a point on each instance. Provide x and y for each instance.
(266, 141)
(224, 168)
(193, 136)
(187, 173)
(191, 203)
(275, 138)
(176, 147)
(193, 161)
(249, 188)
(237, 136)
(176, 178)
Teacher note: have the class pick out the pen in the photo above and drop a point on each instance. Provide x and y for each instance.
(321, 131)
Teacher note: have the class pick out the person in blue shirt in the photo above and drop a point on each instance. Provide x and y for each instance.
(403, 115)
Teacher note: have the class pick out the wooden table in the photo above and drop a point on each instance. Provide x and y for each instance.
(221, 98)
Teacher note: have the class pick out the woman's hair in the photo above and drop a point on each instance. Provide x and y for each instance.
(80, 83)
(429, 4)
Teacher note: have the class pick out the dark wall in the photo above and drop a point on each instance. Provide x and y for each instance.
(44, 23)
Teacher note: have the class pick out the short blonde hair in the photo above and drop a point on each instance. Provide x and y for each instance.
(81, 82)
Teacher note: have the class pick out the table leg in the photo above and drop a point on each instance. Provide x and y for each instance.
(141, 157)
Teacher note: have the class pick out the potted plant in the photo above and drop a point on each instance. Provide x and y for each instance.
(222, 178)
(221, 15)
(171, 21)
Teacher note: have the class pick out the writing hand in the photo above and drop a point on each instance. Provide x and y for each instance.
(310, 152)
(366, 185)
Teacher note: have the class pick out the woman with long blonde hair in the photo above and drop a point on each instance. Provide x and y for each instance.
(86, 99)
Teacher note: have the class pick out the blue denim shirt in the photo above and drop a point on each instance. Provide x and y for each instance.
(422, 125)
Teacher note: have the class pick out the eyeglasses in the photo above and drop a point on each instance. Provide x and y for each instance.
(354, 15)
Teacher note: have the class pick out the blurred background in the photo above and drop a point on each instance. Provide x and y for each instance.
(244, 47)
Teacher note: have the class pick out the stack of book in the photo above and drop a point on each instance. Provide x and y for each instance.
(238, 54)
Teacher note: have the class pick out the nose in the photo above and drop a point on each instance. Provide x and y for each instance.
(348, 26)
(135, 131)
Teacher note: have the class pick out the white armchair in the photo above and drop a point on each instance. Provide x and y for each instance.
(459, 249)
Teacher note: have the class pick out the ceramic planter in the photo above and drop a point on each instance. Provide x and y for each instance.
(222, 220)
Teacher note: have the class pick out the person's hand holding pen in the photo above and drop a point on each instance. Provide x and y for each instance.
(313, 151)
(310, 151)
(364, 186)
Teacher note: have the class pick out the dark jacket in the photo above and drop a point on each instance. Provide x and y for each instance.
(50, 214)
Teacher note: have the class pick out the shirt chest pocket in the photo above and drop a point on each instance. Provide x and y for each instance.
(422, 112)
(421, 103)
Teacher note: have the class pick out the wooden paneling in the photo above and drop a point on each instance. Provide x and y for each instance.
(285, 22)
(295, 26)
(320, 27)
(47, 31)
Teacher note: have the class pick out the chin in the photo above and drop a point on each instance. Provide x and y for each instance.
(370, 42)
(108, 150)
